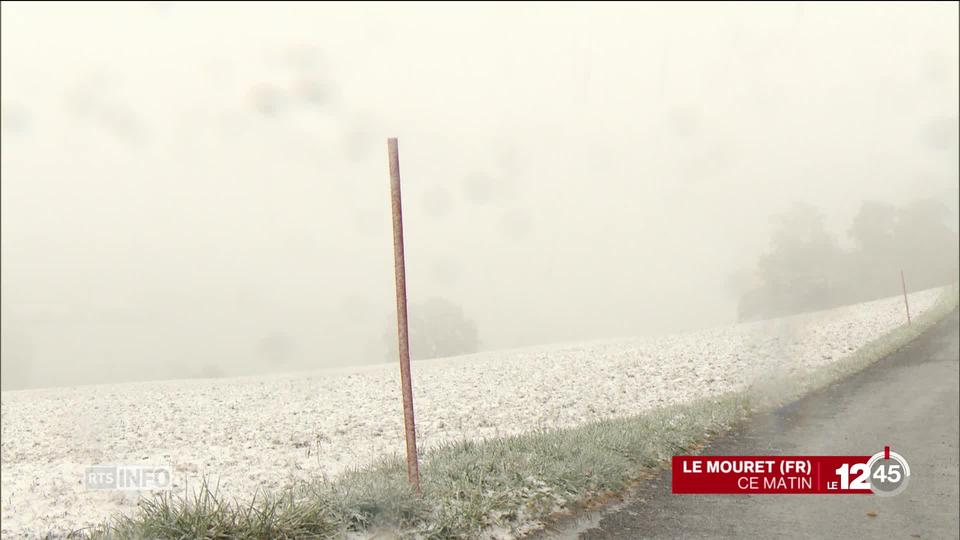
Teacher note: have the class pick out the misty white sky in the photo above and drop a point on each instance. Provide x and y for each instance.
(181, 181)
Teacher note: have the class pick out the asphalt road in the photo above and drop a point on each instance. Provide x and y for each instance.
(909, 400)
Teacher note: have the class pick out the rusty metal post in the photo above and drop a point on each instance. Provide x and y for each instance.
(413, 469)
(903, 283)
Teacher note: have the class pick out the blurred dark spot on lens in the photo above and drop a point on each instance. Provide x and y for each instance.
(267, 99)
(358, 143)
(315, 92)
(95, 106)
(516, 224)
(684, 121)
(479, 189)
(436, 202)
(941, 134)
(14, 119)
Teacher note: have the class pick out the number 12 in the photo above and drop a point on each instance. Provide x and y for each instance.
(860, 482)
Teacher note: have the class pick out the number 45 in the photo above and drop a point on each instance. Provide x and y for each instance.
(892, 473)
(883, 474)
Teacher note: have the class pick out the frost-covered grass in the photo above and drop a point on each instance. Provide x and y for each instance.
(781, 390)
(500, 486)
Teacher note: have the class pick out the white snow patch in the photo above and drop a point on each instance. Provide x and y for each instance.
(266, 432)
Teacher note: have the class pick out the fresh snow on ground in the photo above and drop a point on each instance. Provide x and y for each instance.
(266, 432)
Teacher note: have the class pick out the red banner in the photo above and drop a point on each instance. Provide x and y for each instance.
(771, 474)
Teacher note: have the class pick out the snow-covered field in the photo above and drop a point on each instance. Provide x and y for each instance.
(266, 432)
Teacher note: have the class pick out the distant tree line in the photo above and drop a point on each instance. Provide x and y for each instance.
(807, 268)
(437, 328)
